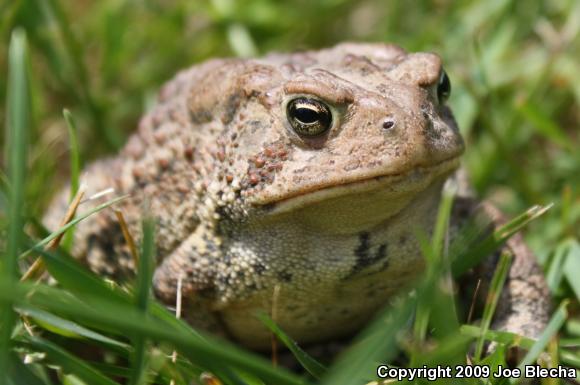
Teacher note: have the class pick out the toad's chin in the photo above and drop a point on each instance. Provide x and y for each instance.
(364, 202)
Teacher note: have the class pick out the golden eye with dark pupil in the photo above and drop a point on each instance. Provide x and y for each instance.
(309, 117)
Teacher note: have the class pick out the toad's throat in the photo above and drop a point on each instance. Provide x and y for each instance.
(407, 183)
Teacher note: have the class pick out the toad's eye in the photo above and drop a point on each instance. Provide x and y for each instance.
(309, 117)
(443, 87)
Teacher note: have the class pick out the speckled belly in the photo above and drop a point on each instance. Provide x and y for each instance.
(313, 314)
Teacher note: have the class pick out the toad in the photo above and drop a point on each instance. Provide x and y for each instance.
(298, 181)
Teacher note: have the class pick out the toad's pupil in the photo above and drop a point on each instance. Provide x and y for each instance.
(307, 114)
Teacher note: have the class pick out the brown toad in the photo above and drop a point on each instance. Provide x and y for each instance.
(295, 178)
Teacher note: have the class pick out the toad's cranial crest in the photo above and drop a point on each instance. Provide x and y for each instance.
(308, 172)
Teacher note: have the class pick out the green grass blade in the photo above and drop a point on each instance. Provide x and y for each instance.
(573, 327)
(67, 361)
(146, 265)
(315, 368)
(495, 359)
(22, 374)
(75, 53)
(75, 168)
(473, 254)
(442, 224)
(571, 359)
(75, 156)
(451, 349)
(423, 309)
(544, 124)
(17, 127)
(572, 267)
(142, 296)
(550, 331)
(68, 328)
(377, 343)
(502, 337)
(437, 258)
(556, 269)
(495, 289)
(72, 46)
(71, 275)
(4, 184)
(111, 370)
(241, 40)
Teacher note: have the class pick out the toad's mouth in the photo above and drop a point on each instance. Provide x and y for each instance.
(407, 183)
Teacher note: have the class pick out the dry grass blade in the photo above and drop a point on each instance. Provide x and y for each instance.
(127, 235)
(73, 222)
(209, 379)
(36, 270)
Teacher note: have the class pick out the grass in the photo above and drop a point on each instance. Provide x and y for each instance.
(516, 92)
(17, 123)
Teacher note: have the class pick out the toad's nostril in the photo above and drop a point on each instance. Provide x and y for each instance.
(388, 123)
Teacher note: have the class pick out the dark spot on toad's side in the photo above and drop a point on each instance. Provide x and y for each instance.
(211, 247)
(365, 256)
(381, 252)
(363, 248)
(301, 316)
(92, 241)
(200, 116)
(231, 106)
(255, 125)
(226, 218)
(402, 239)
(222, 280)
(371, 293)
(107, 239)
(285, 276)
(385, 265)
(252, 287)
(206, 292)
(429, 130)
(268, 207)
(321, 319)
(239, 275)
(259, 268)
